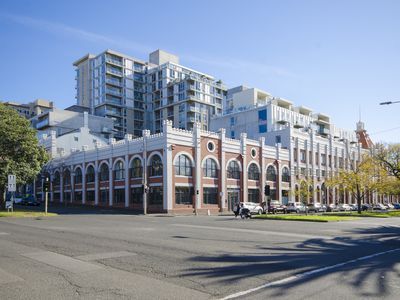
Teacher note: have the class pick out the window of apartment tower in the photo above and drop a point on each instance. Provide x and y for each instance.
(156, 195)
(303, 156)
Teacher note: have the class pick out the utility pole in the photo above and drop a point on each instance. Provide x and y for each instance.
(389, 102)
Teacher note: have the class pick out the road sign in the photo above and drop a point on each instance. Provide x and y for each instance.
(12, 183)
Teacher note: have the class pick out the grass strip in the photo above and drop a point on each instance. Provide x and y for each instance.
(371, 214)
(308, 218)
(24, 214)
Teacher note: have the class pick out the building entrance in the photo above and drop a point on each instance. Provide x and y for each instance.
(233, 198)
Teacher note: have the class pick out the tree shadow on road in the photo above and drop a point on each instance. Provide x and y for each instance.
(282, 261)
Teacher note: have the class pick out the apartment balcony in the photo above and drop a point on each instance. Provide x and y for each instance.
(114, 92)
(193, 109)
(114, 71)
(114, 82)
(113, 113)
(114, 102)
(323, 131)
(298, 125)
(114, 61)
(191, 119)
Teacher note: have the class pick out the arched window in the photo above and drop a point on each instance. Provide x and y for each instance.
(78, 176)
(119, 171)
(210, 168)
(90, 174)
(104, 172)
(67, 177)
(56, 179)
(183, 166)
(233, 170)
(254, 173)
(156, 166)
(271, 173)
(136, 168)
(285, 175)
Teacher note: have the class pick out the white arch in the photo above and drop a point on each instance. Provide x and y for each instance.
(285, 166)
(253, 162)
(184, 153)
(275, 168)
(88, 165)
(213, 158)
(234, 159)
(151, 156)
(117, 160)
(78, 167)
(133, 157)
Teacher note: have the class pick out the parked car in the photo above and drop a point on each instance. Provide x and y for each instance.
(366, 206)
(276, 207)
(296, 207)
(332, 207)
(30, 201)
(389, 206)
(18, 199)
(354, 207)
(396, 205)
(254, 208)
(344, 207)
(379, 206)
(316, 207)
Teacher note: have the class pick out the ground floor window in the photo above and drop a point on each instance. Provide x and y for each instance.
(156, 195)
(184, 195)
(67, 196)
(56, 196)
(273, 194)
(285, 196)
(254, 195)
(137, 195)
(104, 197)
(78, 196)
(119, 196)
(90, 196)
(210, 195)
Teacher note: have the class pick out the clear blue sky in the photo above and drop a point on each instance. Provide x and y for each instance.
(332, 56)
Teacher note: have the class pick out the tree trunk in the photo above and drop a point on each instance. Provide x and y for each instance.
(358, 199)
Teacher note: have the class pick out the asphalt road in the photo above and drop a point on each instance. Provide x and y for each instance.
(121, 256)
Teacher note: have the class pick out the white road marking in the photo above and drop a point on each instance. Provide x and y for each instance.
(97, 256)
(305, 274)
(4, 233)
(62, 262)
(264, 232)
(6, 277)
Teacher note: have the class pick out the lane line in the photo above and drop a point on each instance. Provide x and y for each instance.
(97, 256)
(306, 274)
(264, 232)
(63, 262)
(4, 233)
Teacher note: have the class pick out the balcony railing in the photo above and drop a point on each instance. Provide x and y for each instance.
(114, 61)
(114, 71)
(113, 92)
(113, 81)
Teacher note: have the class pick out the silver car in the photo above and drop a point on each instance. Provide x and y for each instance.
(296, 207)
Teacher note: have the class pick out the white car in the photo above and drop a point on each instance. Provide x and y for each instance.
(296, 207)
(344, 207)
(255, 208)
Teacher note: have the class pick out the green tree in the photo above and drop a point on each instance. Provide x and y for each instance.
(303, 192)
(389, 156)
(360, 180)
(20, 152)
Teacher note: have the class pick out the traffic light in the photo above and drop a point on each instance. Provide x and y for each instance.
(46, 184)
(267, 190)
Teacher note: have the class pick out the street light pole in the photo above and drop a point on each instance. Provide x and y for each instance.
(389, 102)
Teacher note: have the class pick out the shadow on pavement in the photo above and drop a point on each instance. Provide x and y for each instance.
(310, 255)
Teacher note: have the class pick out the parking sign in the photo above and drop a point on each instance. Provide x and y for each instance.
(12, 183)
